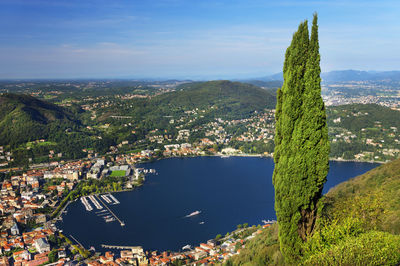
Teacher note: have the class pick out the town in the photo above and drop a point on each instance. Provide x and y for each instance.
(41, 177)
(33, 201)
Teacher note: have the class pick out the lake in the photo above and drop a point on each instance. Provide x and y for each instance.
(226, 191)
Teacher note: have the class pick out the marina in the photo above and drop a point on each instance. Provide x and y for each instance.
(104, 213)
(112, 213)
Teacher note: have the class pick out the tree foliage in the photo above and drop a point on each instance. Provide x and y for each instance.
(301, 142)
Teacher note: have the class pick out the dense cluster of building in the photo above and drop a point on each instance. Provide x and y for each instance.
(362, 92)
(259, 127)
(22, 198)
(209, 253)
(28, 200)
(28, 232)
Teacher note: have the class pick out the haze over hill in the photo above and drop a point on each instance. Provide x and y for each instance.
(345, 76)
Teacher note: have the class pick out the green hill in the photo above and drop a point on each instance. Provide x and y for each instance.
(24, 118)
(231, 98)
(367, 130)
(359, 224)
(356, 117)
(212, 99)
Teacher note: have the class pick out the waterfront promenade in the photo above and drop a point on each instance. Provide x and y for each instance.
(122, 247)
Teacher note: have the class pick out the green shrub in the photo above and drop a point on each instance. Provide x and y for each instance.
(371, 248)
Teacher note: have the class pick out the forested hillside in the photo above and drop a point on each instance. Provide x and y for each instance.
(98, 121)
(356, 117)
(364, 131)
(211, 100)
(224, 99)
(24, 118)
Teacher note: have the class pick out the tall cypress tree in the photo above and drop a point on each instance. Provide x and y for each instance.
(301, 142)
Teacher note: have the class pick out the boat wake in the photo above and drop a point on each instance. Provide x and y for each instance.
(193, 214)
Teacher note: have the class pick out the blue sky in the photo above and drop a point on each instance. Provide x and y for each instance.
(188, 38)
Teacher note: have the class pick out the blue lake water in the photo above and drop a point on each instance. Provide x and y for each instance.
(227, 191)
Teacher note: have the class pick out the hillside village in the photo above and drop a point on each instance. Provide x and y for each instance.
(252, 135)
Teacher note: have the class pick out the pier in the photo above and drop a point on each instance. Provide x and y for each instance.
(104, 197)
(113, 214)
(95, 202)
(135, 249)
(79, 243)
(86, 204)
(113, 198)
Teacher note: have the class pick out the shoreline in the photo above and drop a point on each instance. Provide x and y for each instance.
(355, 161)
(251, 155)
(185, 156)
(59, 215)
(198, 156)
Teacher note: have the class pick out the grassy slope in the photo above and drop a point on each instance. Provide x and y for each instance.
(359, 225)
(374, 196)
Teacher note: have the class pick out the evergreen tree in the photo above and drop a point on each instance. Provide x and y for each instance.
(301, 142)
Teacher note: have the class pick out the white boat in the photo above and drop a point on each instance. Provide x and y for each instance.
(193, 214)
(268, 221)
(201, 223)
(187, 247)
(110, 220)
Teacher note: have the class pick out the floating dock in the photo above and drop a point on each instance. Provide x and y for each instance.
(95, 202)
(113, 198)
(104, 197)
(86, 203)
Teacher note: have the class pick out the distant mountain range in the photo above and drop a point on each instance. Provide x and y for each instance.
(356, 75)
(345, 76)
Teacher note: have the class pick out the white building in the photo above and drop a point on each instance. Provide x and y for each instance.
(42, 245)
